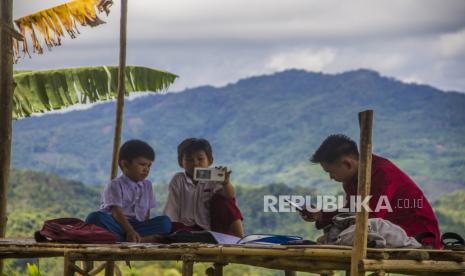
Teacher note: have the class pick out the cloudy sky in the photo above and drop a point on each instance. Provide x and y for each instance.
(218, 42)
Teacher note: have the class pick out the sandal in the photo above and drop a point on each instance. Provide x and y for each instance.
(453, 241)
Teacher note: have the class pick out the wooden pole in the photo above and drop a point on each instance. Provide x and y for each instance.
(6, 105)
(359, 251)
(67, 266)
(218, 269)
(121, 88)
(187, 268)
(110, 268)
(119, 103)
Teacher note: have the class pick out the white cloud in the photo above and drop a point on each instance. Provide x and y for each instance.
(217, 42)
(412, 79)
(303, 59)
(452, 44)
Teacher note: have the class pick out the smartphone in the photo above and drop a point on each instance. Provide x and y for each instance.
(299, 208)
(209, 174)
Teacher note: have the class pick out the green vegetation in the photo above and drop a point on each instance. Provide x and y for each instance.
(264, 128)
(35, 197)
(450, 212)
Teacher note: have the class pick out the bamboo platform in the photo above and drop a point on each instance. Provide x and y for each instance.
(320, 259)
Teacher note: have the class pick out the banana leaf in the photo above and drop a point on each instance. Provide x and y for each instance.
(41, 91)
(49, 23)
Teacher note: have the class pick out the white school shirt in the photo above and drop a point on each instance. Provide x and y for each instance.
(135, 198)
(189, 203)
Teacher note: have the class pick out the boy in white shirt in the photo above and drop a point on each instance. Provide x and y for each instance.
(127, 199)
(199, 205)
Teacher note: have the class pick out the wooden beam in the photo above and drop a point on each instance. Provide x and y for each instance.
(121, 88)
(87, 266)
(11, 31)
(6, 105)
(97, 270)
(359, 251)
(412, 266)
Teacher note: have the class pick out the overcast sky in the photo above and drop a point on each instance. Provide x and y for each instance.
(218, 42)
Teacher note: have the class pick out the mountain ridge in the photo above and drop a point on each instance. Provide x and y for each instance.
(263, 127)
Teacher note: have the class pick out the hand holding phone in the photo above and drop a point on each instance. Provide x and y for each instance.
(304, 213)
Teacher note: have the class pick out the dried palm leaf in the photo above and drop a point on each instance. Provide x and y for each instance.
(49, 23)
(40, 91)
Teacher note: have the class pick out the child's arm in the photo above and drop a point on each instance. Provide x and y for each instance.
(131, 234)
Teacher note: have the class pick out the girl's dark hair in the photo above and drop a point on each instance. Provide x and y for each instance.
(333, 148)
(132, 149)
(192, 145)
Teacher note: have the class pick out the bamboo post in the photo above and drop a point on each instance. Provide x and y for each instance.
(67, 265)
(119, 102)
(6, 105)
(87, 266)
(121, 88)
(218, 269)
(187, 268)
(359, 251)
(109, 268)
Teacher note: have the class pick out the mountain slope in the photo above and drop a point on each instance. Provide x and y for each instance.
(264, 128)
(34, 197)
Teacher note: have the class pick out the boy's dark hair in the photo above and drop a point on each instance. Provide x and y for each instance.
(192, 145)
(333, 148)
(132, 149)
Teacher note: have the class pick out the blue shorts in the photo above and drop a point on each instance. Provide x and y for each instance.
(160, 225)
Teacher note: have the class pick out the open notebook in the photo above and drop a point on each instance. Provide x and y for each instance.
(220, 238)
(203, 237)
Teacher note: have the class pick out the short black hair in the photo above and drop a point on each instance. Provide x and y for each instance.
(192, 145)
(133, 149)
(334, 147)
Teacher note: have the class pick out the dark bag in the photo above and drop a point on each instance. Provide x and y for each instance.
(73, 230)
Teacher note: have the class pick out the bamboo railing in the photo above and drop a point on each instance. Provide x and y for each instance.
(319, 259)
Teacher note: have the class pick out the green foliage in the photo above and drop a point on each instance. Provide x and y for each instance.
(40, 91)
(450, 212)
(35, 197)
(33, 270)
(264, 128)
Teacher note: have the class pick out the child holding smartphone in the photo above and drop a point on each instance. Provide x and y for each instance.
(201, 205)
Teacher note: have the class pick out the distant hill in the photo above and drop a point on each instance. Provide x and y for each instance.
(34, 197)
(449, 209)
(264, 128)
